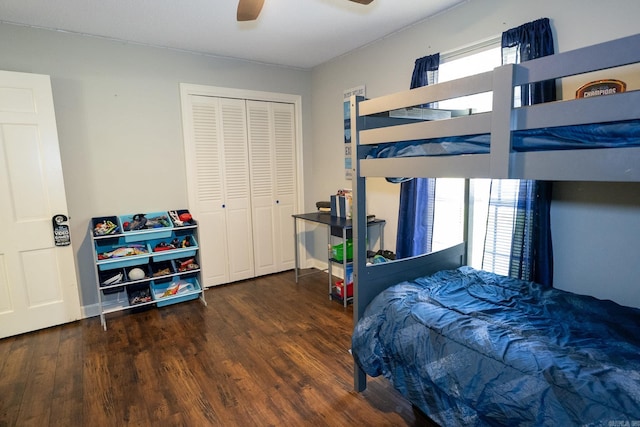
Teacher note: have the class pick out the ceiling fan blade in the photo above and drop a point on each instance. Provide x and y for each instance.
(362, 1)
(248, 10)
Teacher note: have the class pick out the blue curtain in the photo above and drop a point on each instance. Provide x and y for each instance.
(532, 40)
(417, 195)
(425, 71)
(531, 248)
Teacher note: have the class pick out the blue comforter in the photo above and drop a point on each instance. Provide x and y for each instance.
(599, 135)
(471, 348)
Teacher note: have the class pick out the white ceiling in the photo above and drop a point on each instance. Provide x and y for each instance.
(295, 33)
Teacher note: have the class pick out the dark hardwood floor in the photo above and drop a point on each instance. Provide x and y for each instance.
(264, 352)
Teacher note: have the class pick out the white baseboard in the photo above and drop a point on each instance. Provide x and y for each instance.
(92, 310)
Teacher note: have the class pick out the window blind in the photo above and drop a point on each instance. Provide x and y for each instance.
(500, 226)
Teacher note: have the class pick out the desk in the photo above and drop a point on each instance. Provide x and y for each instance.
(339, 227)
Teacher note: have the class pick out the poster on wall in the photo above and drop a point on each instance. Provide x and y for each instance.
(359, 91)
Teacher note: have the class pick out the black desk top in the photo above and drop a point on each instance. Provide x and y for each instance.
(332, 221)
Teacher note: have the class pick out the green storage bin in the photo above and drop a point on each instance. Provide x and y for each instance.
(337, 251)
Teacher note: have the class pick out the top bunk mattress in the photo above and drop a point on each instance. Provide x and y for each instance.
(474, 348)
(598, 135)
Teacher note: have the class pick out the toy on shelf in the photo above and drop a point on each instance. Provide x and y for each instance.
(123, 251)
(158, 222)
(174, 244)
(177, 287)
(187, 265)
(113, 280)
(141, 222)
(137, 274)
(138, 222)
(175, 218)
(140, 296)
(181, 218)
(105, 227)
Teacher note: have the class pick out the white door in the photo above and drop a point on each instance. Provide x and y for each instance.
(273, 184)
(205, 175)
(285, 183)
(237, 204)
(38, 285)
(218, 179)
(262, 160)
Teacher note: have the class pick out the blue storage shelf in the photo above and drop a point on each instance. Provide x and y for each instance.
(175, 263)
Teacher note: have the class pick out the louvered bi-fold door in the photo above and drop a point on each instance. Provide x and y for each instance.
(286, 184)
(218, 169)
(273, 185)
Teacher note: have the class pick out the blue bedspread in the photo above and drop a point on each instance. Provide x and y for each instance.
(599, 135)
(471, 348)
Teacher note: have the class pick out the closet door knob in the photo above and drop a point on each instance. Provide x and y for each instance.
(224, 206)
(277, 201)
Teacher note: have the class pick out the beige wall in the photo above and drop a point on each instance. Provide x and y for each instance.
(385, 67)
(119, 121)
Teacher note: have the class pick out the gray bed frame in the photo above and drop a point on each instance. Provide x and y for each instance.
(369, 129)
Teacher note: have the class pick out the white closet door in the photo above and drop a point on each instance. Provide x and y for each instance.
(285, 183)
(272, 154)
(237, 204)
(205, 179)
(260, 126)
(241, 178)
(218, 180)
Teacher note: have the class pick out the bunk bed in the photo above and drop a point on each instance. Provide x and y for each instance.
(469, 347)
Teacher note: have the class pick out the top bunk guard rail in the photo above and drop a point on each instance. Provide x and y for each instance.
(470, 85)
(614, 53)
(584, 164)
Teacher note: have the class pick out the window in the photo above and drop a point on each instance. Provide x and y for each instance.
(448, 215)
(458, 67)
(491, 222)
(499, 225)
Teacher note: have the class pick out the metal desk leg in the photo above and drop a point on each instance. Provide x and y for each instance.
(329, 264)
(345, 260)
(295, 239)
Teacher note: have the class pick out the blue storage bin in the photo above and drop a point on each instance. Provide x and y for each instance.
(156, 226)
(191, 290)
(120, 254)
(179, 252)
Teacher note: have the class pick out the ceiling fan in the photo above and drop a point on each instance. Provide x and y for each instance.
(248, 10)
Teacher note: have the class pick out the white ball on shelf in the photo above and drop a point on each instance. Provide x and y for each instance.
(136, 274)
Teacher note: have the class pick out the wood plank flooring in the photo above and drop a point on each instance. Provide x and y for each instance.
(265, 352)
